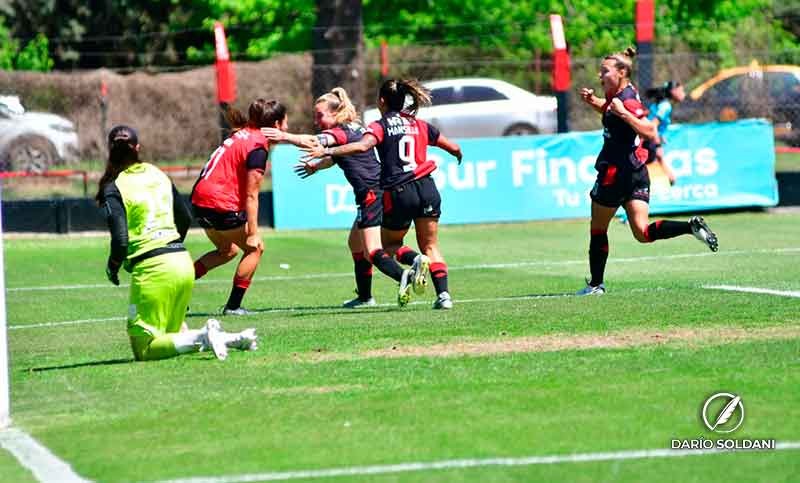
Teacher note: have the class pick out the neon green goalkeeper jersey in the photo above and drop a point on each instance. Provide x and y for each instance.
(147, 195)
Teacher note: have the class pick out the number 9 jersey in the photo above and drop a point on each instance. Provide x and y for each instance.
(403, 142)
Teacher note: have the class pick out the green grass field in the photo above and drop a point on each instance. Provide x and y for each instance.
(514, 370)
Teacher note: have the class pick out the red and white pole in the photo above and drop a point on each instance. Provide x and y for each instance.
(561, 71)
(226, 77)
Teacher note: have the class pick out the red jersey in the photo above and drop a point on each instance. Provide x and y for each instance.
(403, 142)
(222, 185)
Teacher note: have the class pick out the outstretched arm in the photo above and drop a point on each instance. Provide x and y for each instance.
(299, 140)
(449, 146)
(361, 146)
(305, 169)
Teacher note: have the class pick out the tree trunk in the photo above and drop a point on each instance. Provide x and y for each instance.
(338, 49)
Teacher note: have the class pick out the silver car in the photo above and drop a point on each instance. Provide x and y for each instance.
(34, 141)
(479, 107)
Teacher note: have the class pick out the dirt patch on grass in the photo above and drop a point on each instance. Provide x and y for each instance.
(560, 342)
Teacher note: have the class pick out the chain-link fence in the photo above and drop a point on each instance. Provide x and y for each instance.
(177, 115)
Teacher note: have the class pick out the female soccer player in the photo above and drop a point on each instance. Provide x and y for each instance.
(409, 191)
(225, 197)
(660, 112)
(148, 222)
(336, 116)
(621, 175)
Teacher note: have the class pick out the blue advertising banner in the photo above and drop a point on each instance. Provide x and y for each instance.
(718, 165)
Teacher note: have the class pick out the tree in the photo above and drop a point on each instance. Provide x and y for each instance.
(338, 49)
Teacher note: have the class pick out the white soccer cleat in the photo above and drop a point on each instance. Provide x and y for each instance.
(421, 267)
(213, 339)
(404, 291)
(357, 303)
(246, 340)
(592, 289)
(443, 302)
(702, 232)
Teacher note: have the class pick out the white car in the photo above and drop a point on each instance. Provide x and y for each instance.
(478, 107)
(34, 141)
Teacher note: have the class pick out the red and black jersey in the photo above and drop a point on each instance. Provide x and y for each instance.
(222, 185)
(621, 144)
(363, 170)
(403, 142)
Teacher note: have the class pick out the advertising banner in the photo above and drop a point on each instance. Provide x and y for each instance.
(718, 165)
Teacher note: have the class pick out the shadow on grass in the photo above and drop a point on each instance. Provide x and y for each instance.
(300, 311)
(82, 364)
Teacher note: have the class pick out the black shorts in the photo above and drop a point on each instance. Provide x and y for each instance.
(417, 199)
(370, 208)
(617, 185)
(219, 220)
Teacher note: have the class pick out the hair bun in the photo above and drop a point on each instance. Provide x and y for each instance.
(630, 52)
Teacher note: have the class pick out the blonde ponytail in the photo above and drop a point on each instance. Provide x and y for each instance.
(340, 104)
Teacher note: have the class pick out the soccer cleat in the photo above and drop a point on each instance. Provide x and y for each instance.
(702, 232)
(357, 303)
(246, 340)
(404, 291)
(237, 311)
(592, 289)
(443, 302)
(421, 266)
(213, 339)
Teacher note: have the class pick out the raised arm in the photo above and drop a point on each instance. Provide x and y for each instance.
(632, 113)
(595, 102)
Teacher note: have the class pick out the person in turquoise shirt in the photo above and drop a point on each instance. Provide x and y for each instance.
(148, 222)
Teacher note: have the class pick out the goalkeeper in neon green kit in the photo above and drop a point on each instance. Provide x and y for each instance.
(148, 222)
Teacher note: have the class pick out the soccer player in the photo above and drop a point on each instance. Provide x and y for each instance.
(622, 178)
(336, 116)
(410, 195)
(148, 222)
(225, 197)
(660, 112)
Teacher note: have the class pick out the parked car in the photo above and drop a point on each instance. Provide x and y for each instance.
(477, 107)
(768, 91)
(34, 141)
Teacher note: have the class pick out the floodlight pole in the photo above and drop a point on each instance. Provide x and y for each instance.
(5, 401)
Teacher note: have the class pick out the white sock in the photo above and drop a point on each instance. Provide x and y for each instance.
(188, 340)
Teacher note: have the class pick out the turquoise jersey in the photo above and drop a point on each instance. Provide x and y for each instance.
(663, 112)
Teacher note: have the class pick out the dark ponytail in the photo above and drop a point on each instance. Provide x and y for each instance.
(395, 91)
(122, 152)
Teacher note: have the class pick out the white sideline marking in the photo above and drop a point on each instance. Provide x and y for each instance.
(480, 266)
(735, 288)
(464, 463)
(44, 465)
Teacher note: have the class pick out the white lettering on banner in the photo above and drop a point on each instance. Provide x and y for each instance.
(518, 168)
(339, 199)
(704, 162)
(586, 171)
(465, 177)
(688, 192)
(567, 198)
